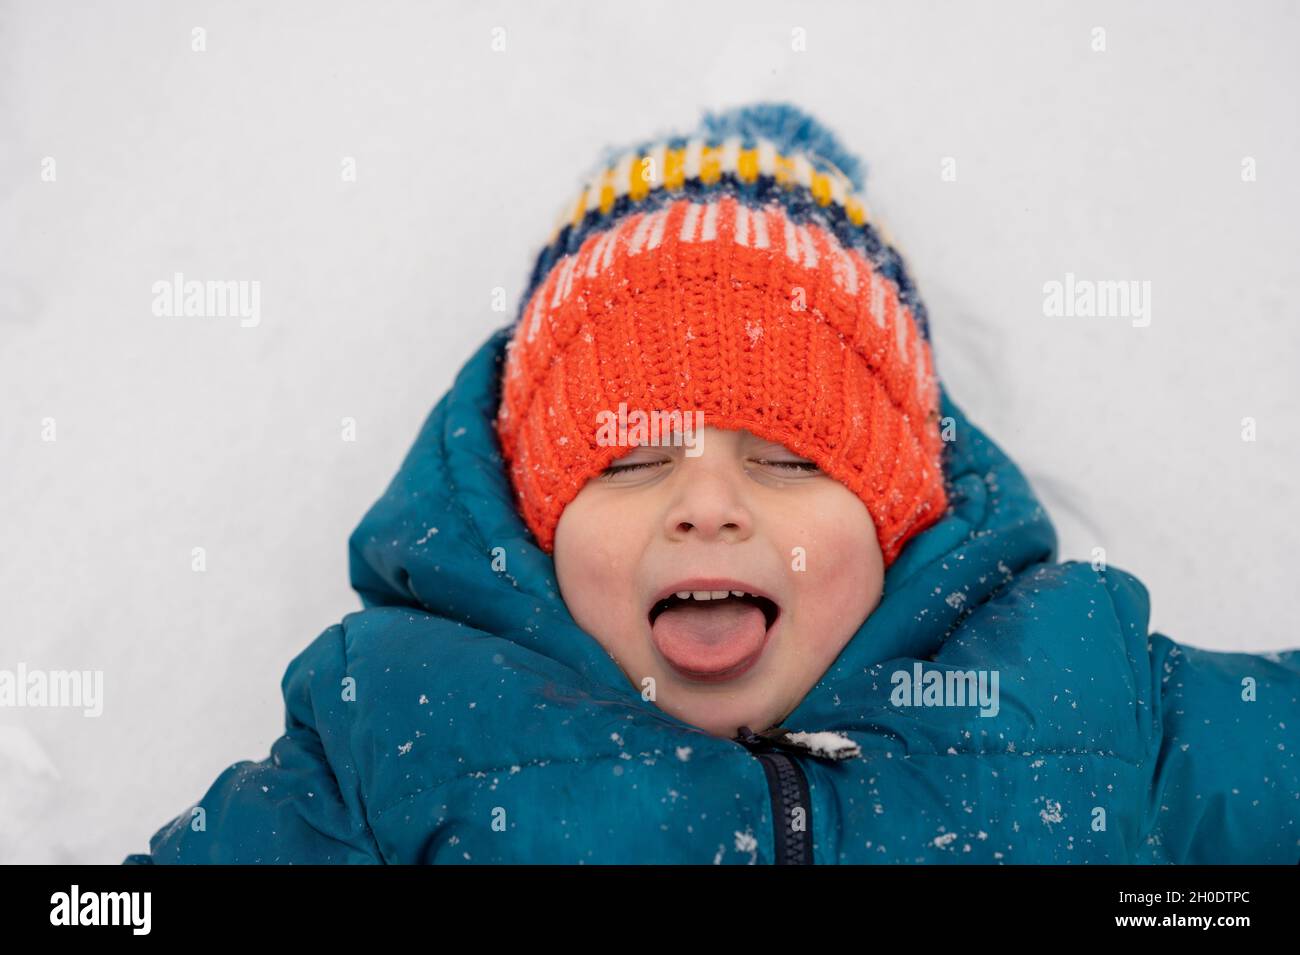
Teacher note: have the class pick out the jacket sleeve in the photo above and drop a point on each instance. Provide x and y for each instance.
(303, 803)
(1226, 784)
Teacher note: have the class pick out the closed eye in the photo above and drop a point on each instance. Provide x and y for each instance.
(623, 468)
(794, 465)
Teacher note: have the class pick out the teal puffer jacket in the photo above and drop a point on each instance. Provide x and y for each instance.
(464, 717)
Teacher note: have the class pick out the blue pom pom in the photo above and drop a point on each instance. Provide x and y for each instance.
(790, 128)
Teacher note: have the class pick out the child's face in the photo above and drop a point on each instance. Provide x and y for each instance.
(733, 511)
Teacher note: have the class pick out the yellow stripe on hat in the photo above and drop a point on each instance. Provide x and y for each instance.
(638, 186)
(784, 170)
(674, 168)
(606, 191)
(580, 209)
(856, 212)
(707, 164)
(821, 188)
(747, 165)
(710, 164)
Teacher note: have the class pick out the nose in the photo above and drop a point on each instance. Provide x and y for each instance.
(709, 505)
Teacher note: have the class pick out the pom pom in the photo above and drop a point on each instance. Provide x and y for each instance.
(790, 128)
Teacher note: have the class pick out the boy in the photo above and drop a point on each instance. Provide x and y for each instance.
(816, 619)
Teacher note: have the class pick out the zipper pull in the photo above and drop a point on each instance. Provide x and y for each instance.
(754, 742)
(824, 745)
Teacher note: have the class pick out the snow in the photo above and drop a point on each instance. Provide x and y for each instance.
(746, 842)
(824, 743)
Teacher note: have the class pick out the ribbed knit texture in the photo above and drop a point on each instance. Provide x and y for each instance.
(742, 280)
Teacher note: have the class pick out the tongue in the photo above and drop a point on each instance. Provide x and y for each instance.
(709, 637)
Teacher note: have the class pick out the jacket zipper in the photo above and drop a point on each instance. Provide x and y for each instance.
(789, 790)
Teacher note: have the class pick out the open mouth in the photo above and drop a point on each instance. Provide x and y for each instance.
(712, 635)
(769, 608)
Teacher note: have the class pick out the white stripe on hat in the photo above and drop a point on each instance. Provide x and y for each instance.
(846, 271)
(614, 235)
(564, 283)
(902, 319)
(742, 224)
(640, 233)
(657, 231)
(535, 316)
(622, 175)
(878, 298)
(659, 157)
(761, 241)
(689, 223)
(791, 248)
(809, 250)
(709, 231)
(596, 250)
(692, 165)
(803, 171)
(839, 188)
(730, 154)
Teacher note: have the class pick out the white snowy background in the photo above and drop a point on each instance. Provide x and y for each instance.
(225, 164)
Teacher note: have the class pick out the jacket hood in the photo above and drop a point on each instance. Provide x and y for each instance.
(446, 538)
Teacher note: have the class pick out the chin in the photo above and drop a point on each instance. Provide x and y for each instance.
(724, 718)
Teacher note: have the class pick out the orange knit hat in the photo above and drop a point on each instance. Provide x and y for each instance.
(732, 272)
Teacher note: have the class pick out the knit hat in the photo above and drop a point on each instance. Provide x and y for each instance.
(735, 272)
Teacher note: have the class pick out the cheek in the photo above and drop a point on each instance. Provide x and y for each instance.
(594, 565)
(844, 567)
(844, 573)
